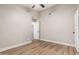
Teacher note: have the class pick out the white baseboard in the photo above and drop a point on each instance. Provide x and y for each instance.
(58, 42)
(14, 46)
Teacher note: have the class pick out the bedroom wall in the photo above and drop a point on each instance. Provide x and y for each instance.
(59, 26)
(15, 26)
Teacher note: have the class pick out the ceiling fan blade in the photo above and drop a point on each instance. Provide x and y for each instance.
(42, 5)
(33, 6)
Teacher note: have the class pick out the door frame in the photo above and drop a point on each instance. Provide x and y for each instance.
(76, 16)
(39, 29)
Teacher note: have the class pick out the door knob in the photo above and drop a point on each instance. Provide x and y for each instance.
(73, 32)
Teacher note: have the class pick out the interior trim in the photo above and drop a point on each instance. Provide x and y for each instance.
(14, 46)
(58, 42)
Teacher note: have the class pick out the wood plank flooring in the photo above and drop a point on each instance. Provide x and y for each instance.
(41, 48)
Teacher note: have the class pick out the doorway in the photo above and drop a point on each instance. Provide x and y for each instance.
(35, 29)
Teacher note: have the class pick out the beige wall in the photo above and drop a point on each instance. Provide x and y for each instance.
(59, 26)
(15, 25)
(35, 14)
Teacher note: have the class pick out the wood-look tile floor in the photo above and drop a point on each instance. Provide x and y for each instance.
(41, 48)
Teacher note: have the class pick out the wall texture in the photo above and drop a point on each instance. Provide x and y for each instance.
(35, 15)
(15, 25)
(58, 26)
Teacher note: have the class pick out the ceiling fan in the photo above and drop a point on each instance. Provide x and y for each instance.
(42, 5)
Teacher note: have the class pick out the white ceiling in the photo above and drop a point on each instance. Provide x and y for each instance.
(37, 6)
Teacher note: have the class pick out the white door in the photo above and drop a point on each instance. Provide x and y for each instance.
(35, 30)
(76, 20)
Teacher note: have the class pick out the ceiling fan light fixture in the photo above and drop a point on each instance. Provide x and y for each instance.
(42, 5)
(33, 6)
